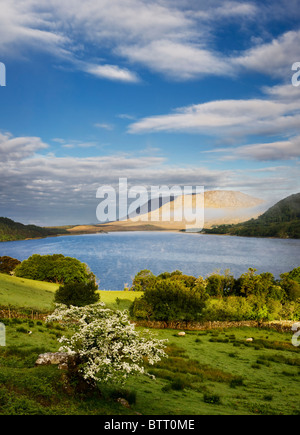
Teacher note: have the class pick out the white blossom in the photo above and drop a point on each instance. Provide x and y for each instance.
(108, 345)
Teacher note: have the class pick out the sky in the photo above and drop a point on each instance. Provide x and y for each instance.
(161, 92)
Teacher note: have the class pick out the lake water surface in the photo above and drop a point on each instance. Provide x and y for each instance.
(115, 258)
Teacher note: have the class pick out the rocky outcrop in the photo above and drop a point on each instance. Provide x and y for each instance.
(61, 359)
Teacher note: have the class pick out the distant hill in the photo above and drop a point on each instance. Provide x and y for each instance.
(282, 220)
(220, 207)
(10, 231)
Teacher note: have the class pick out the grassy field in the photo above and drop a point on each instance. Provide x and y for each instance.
(211, 372)
(25, 293)
(207, 373)
(39, 296)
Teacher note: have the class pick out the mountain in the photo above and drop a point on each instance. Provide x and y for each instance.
(216, 207)
(10, 230)
(281, 220)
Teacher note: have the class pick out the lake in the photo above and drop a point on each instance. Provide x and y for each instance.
(115, 258)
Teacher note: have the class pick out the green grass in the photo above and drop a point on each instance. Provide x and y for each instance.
(25, 293)
(207, 373)
(20, 293)
(200, 377)
(221, 377)
(119, 300)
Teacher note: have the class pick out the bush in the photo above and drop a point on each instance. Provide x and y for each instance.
(77, 294)
(106, 344)
(143, 280)
(54, 268)
(170, 300)
(8, 264)
(233, 308)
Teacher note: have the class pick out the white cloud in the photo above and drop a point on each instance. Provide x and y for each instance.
(110, 72)
(104, 126)
(19, 148)
(177, 59)
(274, 58)
(277, 113)
(270, 151)
(172, 38)
(33, 184)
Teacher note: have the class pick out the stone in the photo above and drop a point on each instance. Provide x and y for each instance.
(181, 334)
(123, 402)
(57, 358)
(249, 340)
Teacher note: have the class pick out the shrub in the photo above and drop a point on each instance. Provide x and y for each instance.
(54, 268)
(179, 384)
(77, 294)
(106, 344)
(170, 300)
(143, 280)
(8, 264)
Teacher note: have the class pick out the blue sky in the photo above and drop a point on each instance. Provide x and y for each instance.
(161, 92)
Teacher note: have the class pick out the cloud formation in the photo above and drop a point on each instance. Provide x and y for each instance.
(173, 38)
(277, 113)
(62, 190)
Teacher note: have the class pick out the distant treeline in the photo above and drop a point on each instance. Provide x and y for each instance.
(10, 231)
(282, 221)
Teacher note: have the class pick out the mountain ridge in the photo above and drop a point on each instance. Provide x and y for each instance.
(281, 220)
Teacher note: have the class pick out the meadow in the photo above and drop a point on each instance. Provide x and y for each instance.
(213, 372)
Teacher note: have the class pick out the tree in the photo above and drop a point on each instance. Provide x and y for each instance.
(8, 264)
(77, 294)
(170, 300)
(220, 285)
(107, 345)
(54, 268)
(142, 280)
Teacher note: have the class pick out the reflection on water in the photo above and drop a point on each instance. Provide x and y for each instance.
(116, 257)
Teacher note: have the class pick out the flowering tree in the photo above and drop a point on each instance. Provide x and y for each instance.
(108, 346)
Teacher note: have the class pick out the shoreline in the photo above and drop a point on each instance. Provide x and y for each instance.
(140, 230)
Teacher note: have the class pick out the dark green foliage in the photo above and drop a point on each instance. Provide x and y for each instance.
(169, 300)
(282, 220)
(143, 280)
(77, 294)
(10, 230)
(175, 297)
(54, 268)
(290, 282)
(220, 285)
(8, 264)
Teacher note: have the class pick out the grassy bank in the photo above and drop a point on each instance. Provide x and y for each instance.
(20, 293)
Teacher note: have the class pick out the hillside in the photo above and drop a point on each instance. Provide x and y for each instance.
(10, 230)
(38, 296)
(282, 220)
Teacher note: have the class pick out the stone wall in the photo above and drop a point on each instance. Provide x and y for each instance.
(196, 326)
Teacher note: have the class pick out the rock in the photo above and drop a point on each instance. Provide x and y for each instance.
(249, 340)
(181, 334)
(58, 358)
(123, 402)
